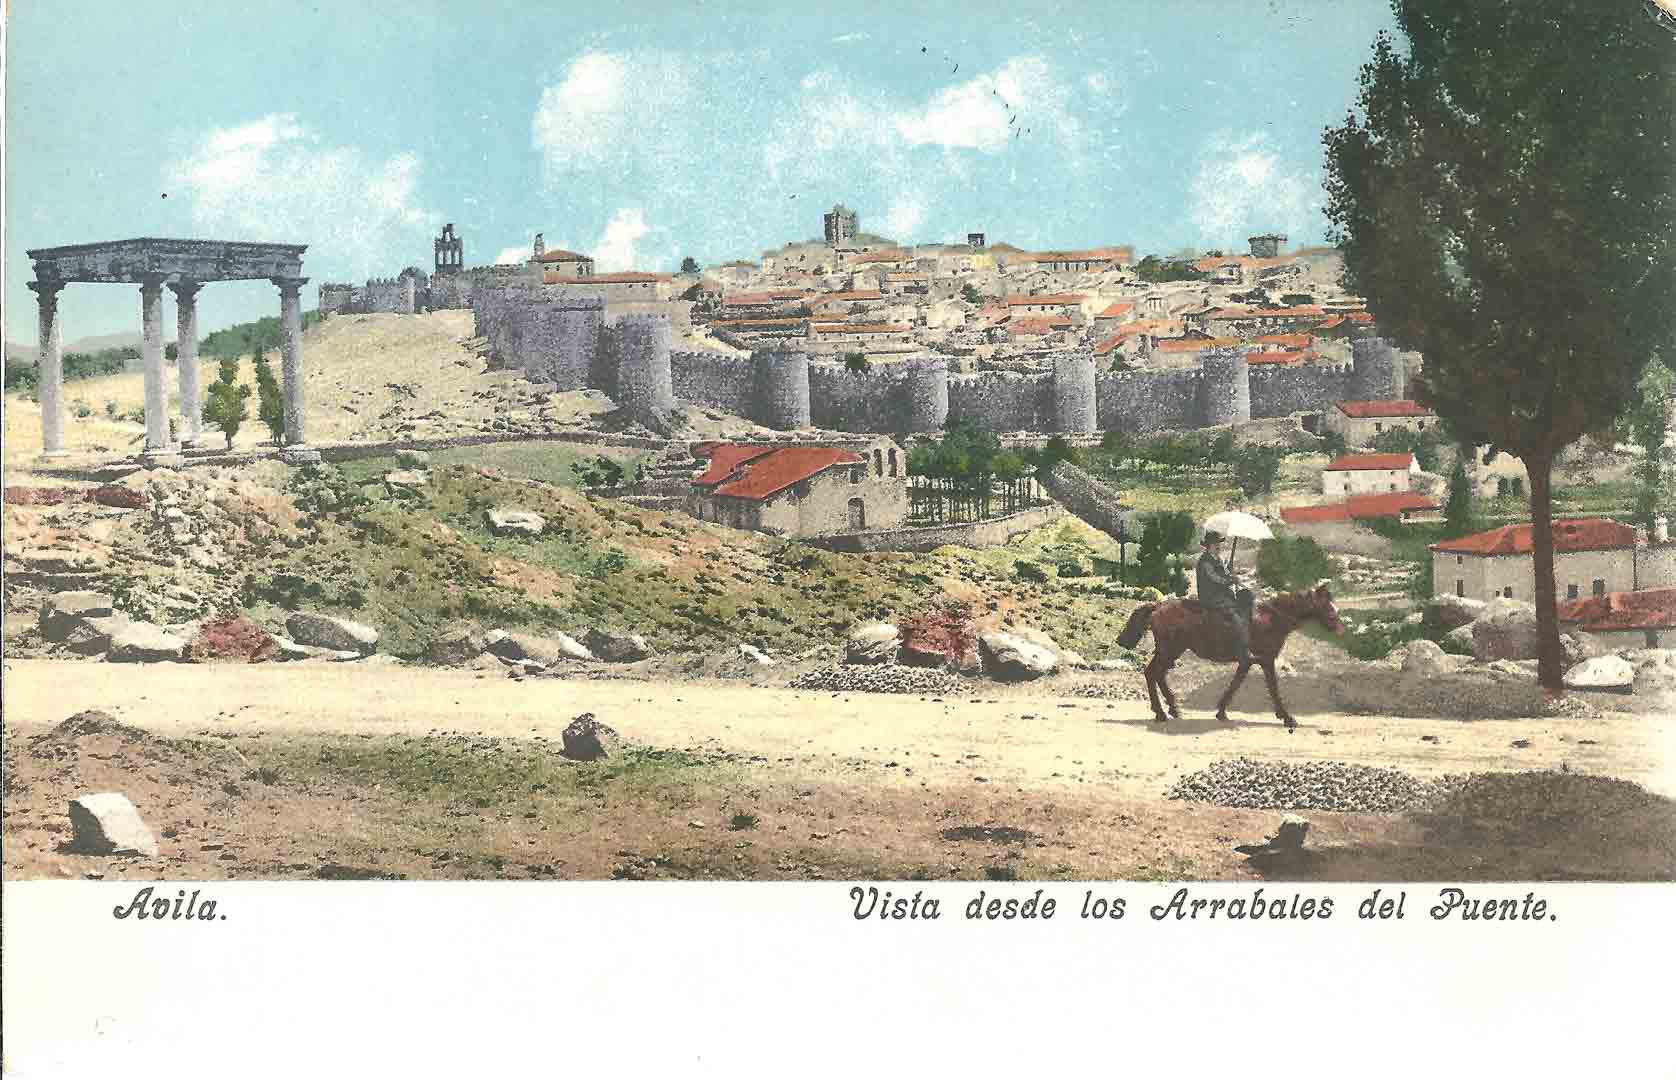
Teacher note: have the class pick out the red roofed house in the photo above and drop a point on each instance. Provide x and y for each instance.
(1398, 505)
(1635, 619)
(559, 264)
(1592, 557)
(1360, 421)
(1045, 304)
(1107, 321)
(1366, 474)
(802, 490)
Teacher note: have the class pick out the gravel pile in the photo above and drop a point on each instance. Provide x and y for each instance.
(1311, 785)
(1538, 796)
(879, 679)
(1114, 690)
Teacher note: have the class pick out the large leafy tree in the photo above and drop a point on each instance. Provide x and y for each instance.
(1505, 197)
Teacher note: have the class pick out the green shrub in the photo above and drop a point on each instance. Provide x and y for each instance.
(1293, 562)
(1025, 570)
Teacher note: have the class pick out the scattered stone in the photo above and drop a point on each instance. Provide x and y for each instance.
(331, 632)
(616, 648)
(586, 739)
(456, 647)
(406, 481)
(1460, 640)
(1601, 673)
(515, 522)
(1580, 645)
(1425, 660)
(108, 824)
(1505, 631)
(510, 645)
(873, 643)
(1655, 671)
(756, 655)
(878, 679)
(1010, 657)
(1308, 785)
(143, 643)
(1445, 613)
(63, 612)
(1114, 665)
(231, 637)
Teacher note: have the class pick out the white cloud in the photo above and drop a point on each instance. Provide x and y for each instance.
(1242, 186)
(847, 39)
(579, 117)
(512, 255)
(986, 112)
(904, 218)
(616, 108)
(274, 179)
(616, 248)
(1098, 82)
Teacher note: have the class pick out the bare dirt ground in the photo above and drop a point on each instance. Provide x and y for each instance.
(322, 770)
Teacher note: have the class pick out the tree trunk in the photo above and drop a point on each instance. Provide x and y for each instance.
(1550, 658)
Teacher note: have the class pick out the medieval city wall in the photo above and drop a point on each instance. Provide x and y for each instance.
(1278, 390)
(1003, 402)
(714, 381)
(1148, 400)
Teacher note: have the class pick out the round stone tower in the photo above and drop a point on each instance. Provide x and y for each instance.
(1374, 375)
(1225, 389)
(1074, 408)
(782, 379)
(644, 389)
(926, 380)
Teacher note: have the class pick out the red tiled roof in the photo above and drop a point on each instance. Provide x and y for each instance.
(759, 322)
(1360, 462)
(1360, 507)
(1286, 341)
(561, 255)
(854, 294)
(1362, 410)
(1042, 324)
(628, 276)
(1645, 609)
(1571, 534)
(1116, 311)
(1058, 299)
(761, 471)
(724, 459)
(861, 328)
(881, 256)
(1276, 357)
(1110, 343)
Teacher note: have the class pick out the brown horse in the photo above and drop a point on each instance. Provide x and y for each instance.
(1179, 625)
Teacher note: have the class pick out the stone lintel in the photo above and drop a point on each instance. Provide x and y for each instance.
(169, 261)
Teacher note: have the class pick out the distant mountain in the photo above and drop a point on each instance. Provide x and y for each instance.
(18, 353)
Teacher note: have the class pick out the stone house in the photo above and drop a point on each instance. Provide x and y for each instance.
(1396, 506)
(1592, 557)
(1642, 619)
(802, 490)
(1112, 316)
(1503, 475)
(1361, 421)
(1367, 474)
(1045, 304)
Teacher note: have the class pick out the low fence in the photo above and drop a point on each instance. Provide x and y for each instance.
(974, 534)
(1092, 500)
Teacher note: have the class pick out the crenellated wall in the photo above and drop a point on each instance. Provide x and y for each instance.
(555, 336)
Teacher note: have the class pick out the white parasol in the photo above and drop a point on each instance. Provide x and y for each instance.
(1237, 524)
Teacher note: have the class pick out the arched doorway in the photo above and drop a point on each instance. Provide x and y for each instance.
(858, 515)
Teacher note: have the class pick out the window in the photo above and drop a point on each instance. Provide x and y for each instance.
(893, 463)
(1508, 592)
(855, 475)
(1501, 485)
(1571, 592)
(1378, 427)
(878, 463)
(1421, 426)
(1459, 559)
(1517, 485)
(1460, 587)
(1600, 587)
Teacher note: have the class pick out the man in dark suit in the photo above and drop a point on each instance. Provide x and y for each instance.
(1221, 595)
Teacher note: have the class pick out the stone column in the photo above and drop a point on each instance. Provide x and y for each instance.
(186, 355)
(50, 372)
(151, 354)
(291, 363)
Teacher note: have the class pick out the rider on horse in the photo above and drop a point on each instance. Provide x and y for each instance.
(1220, 593)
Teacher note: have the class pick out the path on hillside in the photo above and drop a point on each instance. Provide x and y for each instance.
(1008, 737)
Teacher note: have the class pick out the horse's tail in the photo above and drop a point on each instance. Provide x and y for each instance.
(1136, 627)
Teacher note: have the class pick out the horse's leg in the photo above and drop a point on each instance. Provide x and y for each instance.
(1233, 688)
(1274, 695)
(1152, 685)
(1164, 682)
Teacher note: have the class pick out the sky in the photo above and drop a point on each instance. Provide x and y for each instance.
(645, 132)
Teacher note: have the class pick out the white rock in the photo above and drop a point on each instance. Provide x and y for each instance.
(515, 522)
(874, 643)
(331, 632)
(616, 648)
(756, 655)
(1601, 673)
(143, 643)
(108, 824)
(62, 612)
(1009, 656)
(511, 645)
(407, 478)
(1506, 631)
(1425, 660)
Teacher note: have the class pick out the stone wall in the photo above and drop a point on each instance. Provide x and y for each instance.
(1003, 402)
(715, 381)
(1141, 401)
(978, 534)
(782, 382)
(1225, 389)
(637, 362)
(1091, 500)
(1280, 390)
(1075, 405)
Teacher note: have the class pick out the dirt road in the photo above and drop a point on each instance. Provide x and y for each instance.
(1003, 735)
